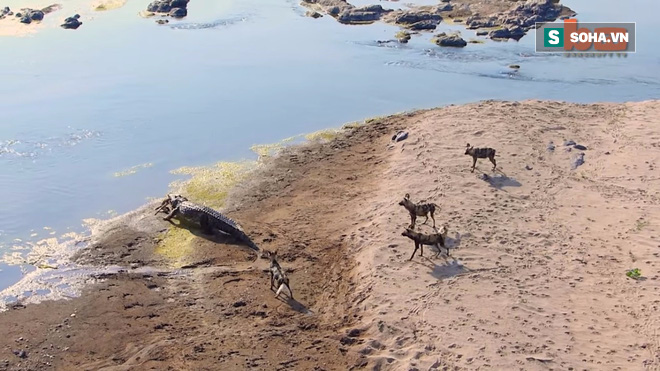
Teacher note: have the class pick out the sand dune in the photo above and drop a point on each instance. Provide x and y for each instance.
(536, 277)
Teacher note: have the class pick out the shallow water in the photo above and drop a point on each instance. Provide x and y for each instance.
(93, 120)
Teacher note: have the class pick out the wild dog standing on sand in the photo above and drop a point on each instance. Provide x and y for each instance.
(476, 153)
(424, 239)
(416, 210)
(278, 278)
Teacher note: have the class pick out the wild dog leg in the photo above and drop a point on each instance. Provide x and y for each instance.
(413, 254)
(432, 217)
(492, 159)
(474, 163)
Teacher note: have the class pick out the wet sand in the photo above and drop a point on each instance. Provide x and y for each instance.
(536, 277)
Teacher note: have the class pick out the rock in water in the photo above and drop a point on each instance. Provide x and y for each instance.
(178, 12)
(363, 15)
(453, 40)
(35, 15)
(173, 8)
(72, 23)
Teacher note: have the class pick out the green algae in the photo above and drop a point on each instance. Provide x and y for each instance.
(175, 245)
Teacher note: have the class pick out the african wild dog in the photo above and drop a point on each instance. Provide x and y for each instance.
(424, 239)
(416, 210)
(278, 278)
(476, 153)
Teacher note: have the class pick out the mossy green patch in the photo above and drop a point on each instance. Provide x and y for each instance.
(209, 185)
(323, 135)
(176, 244)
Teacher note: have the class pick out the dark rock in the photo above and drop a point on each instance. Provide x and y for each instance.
(607, 153)
(452, 40)
(162, 21)
(482, 33)
(400, 135)
(35, 15)
(424, 25)
(514, 32)
(20, 353)
(354, 332)
(514, 66)
(178, 12)
(580, 147)
(71, 23)
(577, 161)
(239, 303)
(179, 3)
(412, 17)
(367, 14)
(475, 22)
(347, 341)
(527, 167)
(551, 146)
(18, 15)
(26, 20)
(569, 143)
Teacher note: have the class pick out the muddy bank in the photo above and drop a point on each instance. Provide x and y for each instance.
(209, 306)
(536, 277)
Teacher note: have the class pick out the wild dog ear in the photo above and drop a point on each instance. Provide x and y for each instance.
(407, 196)
(468, 145)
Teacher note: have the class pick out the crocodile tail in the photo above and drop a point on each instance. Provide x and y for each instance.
(248, 241)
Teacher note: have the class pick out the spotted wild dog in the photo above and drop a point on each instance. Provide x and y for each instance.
(476, 153)
(425, 239)
(416, 210)
(278, 278)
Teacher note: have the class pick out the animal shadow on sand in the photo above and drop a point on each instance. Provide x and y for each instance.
(500, 181)
(450, 268)
(217, 237)
(295, 304)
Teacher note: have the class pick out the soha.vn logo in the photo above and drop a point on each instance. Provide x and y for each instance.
(600, 37)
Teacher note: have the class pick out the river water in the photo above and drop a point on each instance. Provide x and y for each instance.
(93, 120)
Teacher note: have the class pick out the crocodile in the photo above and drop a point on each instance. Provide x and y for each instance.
(208, 219)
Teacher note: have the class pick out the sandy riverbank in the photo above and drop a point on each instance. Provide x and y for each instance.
(55, 14)
(536, 279)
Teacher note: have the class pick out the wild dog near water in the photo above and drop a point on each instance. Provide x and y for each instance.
(476, 153)
(416, 210)
(278, 279)
(421, 239)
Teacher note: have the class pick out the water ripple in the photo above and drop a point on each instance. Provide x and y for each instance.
(17, 148)
(214, 24)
